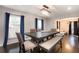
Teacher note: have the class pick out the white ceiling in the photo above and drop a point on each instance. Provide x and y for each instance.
(57, 11)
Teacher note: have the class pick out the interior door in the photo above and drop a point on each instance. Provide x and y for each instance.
(70, 28)
(75, 28)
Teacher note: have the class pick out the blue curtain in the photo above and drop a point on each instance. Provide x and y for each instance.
(7, 15)
(42, 24)
(36, 23)
(22, 26)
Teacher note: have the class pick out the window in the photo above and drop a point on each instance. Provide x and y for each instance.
(39, 24)
(14, 26)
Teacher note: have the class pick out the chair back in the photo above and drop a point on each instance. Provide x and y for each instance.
(20, 38)
(32, 30)
(54, 30)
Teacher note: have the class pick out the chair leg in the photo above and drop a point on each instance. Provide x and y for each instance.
(23, 51)
(20, 50)
(31, 50)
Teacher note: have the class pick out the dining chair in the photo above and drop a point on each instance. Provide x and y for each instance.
(54, 30)
(25, 45)
(27, 37)
(32, 30)
(50, 44)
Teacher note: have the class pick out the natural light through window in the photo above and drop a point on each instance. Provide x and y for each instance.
(14, 26)
(39, 26)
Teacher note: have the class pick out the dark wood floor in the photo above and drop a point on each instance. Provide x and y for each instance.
(70, 45)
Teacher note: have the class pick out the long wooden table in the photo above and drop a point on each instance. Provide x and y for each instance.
(39, 36)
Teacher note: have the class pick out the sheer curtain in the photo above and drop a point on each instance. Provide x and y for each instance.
(39, 26)
(14, 26)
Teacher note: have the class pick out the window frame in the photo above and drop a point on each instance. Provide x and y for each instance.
(36, 24)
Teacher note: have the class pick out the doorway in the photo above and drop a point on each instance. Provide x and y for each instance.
(73, 28)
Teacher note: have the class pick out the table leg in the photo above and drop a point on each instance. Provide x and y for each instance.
(61, 45)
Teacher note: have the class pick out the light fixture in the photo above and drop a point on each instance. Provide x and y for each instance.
(45, 10)
(69, 8)
(58, 30)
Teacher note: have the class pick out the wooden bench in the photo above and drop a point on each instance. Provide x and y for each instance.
(48, 45)
(60, 34)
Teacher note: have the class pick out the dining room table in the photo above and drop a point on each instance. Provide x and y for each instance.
(39, 36)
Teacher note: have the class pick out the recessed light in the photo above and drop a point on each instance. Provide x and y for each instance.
(69, 8)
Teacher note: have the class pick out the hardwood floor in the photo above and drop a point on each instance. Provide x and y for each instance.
(13, 48)
(70, 45)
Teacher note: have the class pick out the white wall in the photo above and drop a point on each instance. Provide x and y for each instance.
(1, 26)
(29, 20)
(51, 24)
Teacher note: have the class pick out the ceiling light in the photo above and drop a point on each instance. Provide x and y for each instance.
(45, 10)
(69, 8)
(57, 30)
